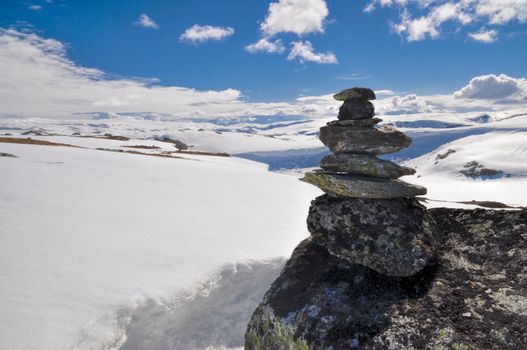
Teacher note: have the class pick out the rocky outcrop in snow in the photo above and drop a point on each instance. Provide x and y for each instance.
(372, 276)
(473, 297)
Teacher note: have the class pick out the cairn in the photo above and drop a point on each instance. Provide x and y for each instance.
(368, 216)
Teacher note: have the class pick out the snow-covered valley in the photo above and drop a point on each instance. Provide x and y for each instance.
(104, 249)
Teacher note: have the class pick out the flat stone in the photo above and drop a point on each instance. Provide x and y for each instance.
(347, 139)
(394, 237)
(356, 109)
(356, 92)
(346, 186)
(356, 122)
(364, 164)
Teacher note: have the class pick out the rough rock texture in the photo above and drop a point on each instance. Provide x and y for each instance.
(356, 92)
(356, 109)
(355, 122)
(381, 140)
(361, 187)
(394, 237)
(474, 297)
(364, 164)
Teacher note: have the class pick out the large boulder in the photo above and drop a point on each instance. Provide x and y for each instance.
(475, 297)
(394, 237)
(382, 140)
(347, 186)
(364, 164)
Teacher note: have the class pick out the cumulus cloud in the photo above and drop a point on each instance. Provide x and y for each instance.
(295, 16)
(493, 87)
(408, 104)
(199, 34)
(35, 7)
(146, 22)
(434, 14)
(266, 45)
(484, 36)
(303, 51)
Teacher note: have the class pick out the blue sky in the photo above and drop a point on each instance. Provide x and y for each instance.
(106, 35)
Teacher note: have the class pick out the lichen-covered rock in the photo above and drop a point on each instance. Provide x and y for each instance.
(356, 122)
(356, 92)
(346, 186)
(394, 237)
(382, 140)
(356, 109)
(321, 302)
(364, 164)
(475, 297)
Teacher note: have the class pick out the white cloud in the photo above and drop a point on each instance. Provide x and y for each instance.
(484, 36)
(493, 87)
(303, 50)
(266, 45)
(146, 22)
(38, 80)
(199, 34)
(35, 7)
(434, 14)
(408, 104)
(295, 16)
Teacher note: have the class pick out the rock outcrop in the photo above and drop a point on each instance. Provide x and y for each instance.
(372, 276)
(473, 297)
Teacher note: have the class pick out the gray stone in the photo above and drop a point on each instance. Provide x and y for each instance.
(364, 164)
(356, 109)
(355, 122)
(347, 186)
(322, 302)
(382, 140)
(394, 237)
(355, 93)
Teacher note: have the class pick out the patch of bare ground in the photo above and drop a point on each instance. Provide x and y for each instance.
(8, 155)
(105, 137)
(142, 147)
(162, 155)
(30, 141)
(202, 153)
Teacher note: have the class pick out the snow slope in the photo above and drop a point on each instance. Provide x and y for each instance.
(88, 235)
(103, 249)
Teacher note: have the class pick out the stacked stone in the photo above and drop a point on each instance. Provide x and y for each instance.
(368, 216)
(354, 170)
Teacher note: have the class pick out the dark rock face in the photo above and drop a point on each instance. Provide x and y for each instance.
(393, 237)
(344, 186)
(356, 109)
(381, 140)
(474, 297)
(364, 164)
(355, 93)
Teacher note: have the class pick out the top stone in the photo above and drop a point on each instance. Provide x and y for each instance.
(356, 92)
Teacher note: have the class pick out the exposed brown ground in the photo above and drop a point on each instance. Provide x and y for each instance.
(142, 147)
(30, 141)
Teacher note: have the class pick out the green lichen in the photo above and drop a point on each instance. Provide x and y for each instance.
(265, 332)
(460, 346)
